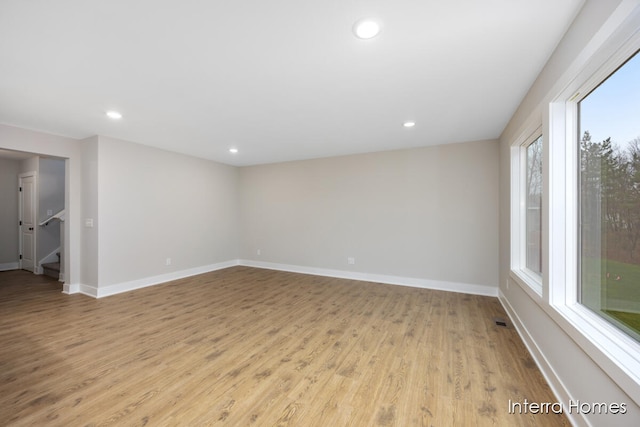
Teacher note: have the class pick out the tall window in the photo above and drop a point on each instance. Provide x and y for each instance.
(533, 195)
(609, 209)
(526, 209)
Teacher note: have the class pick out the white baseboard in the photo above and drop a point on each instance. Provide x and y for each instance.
(440, 285)
(70, 289)
(88, 290)
(6, 266)
(555, 383)
(100, 292)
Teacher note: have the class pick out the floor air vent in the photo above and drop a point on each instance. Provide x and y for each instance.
(500, 322)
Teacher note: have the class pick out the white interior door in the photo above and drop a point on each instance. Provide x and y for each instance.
(27, 221)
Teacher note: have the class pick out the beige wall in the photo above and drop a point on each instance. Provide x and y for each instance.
(146, 205)
(154, 204)
(90, 211)
(9, 169)
(429, 213)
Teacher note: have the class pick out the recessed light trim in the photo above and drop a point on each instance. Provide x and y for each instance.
(233, 150)
(366, 29)
(115, 115)
(409, 124)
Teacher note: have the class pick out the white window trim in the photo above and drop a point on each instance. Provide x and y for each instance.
(613, 350)
(530, 281)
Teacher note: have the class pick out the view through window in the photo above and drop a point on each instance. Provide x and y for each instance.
(534, 205)
(609, 120)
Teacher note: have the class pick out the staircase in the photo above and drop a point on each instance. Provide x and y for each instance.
(52, 269)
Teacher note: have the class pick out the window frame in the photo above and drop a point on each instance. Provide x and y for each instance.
(528, 279)
(617, 353)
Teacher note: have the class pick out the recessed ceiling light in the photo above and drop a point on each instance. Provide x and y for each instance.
(409, 124)
(114, 115)
(366, 29)
(233, 150)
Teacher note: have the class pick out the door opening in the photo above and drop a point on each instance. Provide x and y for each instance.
(27, 184)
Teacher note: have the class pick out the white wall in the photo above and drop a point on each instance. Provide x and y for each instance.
(9, 246)
(429, 213)
(573, 366)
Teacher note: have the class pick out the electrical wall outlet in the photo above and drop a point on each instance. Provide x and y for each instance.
(259, 251)
(351, 260)
(167, 261)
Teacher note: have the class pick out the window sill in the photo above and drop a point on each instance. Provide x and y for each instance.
(530, 282)
(617, 354)
(614, 351)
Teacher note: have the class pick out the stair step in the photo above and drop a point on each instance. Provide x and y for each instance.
(51, 269)
(52, 266)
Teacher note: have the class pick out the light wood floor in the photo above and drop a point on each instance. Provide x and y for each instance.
(245, 346)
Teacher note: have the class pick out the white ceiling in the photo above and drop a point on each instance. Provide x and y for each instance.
(281, 79)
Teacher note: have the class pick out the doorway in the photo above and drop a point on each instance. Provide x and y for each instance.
(27, 220)
(33, 236)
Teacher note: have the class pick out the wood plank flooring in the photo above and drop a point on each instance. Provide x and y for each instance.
(252, 347)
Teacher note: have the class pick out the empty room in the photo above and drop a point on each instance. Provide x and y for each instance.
(296, 213)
